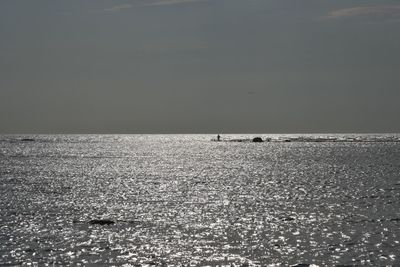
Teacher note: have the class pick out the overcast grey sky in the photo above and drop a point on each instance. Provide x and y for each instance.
(199, 66)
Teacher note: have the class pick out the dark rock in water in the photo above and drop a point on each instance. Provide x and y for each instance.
(102, 222)
(27, 140)
(257, 140)
(288, 219)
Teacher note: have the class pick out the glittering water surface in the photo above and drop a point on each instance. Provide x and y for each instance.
(182, 199)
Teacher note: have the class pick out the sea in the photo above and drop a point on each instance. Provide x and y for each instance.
(189, 200)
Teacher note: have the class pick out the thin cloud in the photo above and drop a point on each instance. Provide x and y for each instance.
(149, 3)
(171, 2)
(118, 8)
(377, 11)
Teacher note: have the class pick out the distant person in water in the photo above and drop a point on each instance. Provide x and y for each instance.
(218, 138)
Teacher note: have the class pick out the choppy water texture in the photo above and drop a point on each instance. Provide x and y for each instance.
(182, 199)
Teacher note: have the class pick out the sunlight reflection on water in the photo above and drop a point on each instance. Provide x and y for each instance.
(181, 199)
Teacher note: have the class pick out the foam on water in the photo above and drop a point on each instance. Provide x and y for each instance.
(181, 199)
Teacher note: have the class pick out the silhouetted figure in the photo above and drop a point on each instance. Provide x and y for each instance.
(218, 138)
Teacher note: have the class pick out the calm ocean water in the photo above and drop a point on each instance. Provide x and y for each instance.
(185, 200)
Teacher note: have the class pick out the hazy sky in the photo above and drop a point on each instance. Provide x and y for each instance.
(199, 66)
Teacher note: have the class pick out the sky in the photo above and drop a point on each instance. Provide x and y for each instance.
(199, 66)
